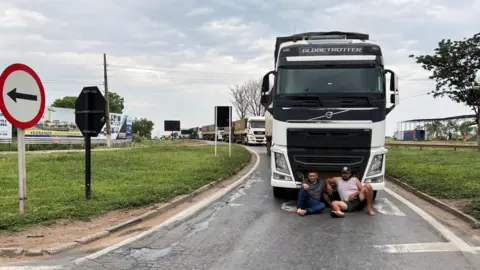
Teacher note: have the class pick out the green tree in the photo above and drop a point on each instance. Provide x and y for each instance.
(65, 102)
(455, 66)
(143, 127)
(116, 102)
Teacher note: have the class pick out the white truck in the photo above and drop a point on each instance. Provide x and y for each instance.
(249, 130)
(327, 108)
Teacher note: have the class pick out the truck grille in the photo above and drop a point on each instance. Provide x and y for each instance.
(328, 160)
(329, 138)
(259, 132)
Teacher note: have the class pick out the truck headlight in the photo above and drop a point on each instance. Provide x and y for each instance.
(376, 166)
(281, 163)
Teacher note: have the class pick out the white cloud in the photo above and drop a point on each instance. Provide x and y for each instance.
(175, 60)
(200, 11)
(14, 17)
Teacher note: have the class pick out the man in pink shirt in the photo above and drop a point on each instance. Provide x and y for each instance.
(354, 195)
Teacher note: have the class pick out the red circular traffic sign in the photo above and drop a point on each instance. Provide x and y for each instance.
(22, 96)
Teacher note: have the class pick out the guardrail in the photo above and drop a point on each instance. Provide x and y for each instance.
(435, 145)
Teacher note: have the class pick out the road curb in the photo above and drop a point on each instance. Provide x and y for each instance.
(61, 248)
(92, 237)
(452, 210)
(16, 252)
(11, 252)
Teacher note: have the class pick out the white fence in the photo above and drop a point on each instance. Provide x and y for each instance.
(64, 141)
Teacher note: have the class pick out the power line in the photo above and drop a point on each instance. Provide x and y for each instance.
(423, 94)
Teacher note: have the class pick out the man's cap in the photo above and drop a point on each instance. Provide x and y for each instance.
(346, 169)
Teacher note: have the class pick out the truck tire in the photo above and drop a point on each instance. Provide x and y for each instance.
(278, 193)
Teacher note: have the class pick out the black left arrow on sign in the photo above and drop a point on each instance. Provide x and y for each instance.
(14, 95)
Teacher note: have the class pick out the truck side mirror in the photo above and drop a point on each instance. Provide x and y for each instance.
(265, 99)
(266, 82)
(394, 97)
(393, 80)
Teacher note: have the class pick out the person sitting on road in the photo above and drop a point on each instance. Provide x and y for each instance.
(310, 195)
(330, 195)
(353, 194)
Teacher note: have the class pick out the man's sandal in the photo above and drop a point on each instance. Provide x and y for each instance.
(337, 214)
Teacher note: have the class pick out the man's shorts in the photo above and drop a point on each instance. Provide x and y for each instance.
(355, 205)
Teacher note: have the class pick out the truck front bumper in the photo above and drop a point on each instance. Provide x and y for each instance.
(283, 177)
(256, 140)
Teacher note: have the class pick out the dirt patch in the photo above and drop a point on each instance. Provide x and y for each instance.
(53, 233)
(464, 205)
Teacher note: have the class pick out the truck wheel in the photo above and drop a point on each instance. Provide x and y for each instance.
(278, 193)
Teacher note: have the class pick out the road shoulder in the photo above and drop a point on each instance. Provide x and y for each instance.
(459, 227)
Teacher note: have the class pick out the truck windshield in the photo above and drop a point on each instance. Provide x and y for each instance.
(257, 124)
(329, 80)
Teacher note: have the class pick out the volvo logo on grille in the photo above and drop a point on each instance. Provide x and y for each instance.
(328, 115)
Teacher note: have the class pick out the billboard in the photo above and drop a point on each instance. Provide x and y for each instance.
(5, 128)
(171, 125)
(59, 123)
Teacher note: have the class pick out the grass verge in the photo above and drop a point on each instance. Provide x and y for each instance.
(442, 173)
(120, 179)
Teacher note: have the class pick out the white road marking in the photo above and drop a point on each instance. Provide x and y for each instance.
(30, 267)
(289, 206)
(182, 215)
(449, 235)
(252, 181)
(386, 207)
(235, 204)
(418, 247)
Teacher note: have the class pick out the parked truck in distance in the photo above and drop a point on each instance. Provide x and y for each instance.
(249, 131)
(208, 133)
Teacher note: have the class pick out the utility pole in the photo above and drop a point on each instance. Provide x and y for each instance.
(107, 109)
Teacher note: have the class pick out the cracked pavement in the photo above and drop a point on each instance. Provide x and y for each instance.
(249, 229)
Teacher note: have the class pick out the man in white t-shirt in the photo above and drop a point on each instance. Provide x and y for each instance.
(354, 195)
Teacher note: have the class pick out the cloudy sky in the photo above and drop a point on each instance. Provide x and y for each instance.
(175, 60)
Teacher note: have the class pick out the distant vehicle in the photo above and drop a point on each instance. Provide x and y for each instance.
(249, 131)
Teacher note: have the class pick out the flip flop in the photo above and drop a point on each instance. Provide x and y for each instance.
(335, 214)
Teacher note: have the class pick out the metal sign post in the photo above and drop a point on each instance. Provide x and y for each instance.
(215, 131)
(90, 117)
(230, 131)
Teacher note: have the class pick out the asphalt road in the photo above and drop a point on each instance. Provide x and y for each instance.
(249, 229)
